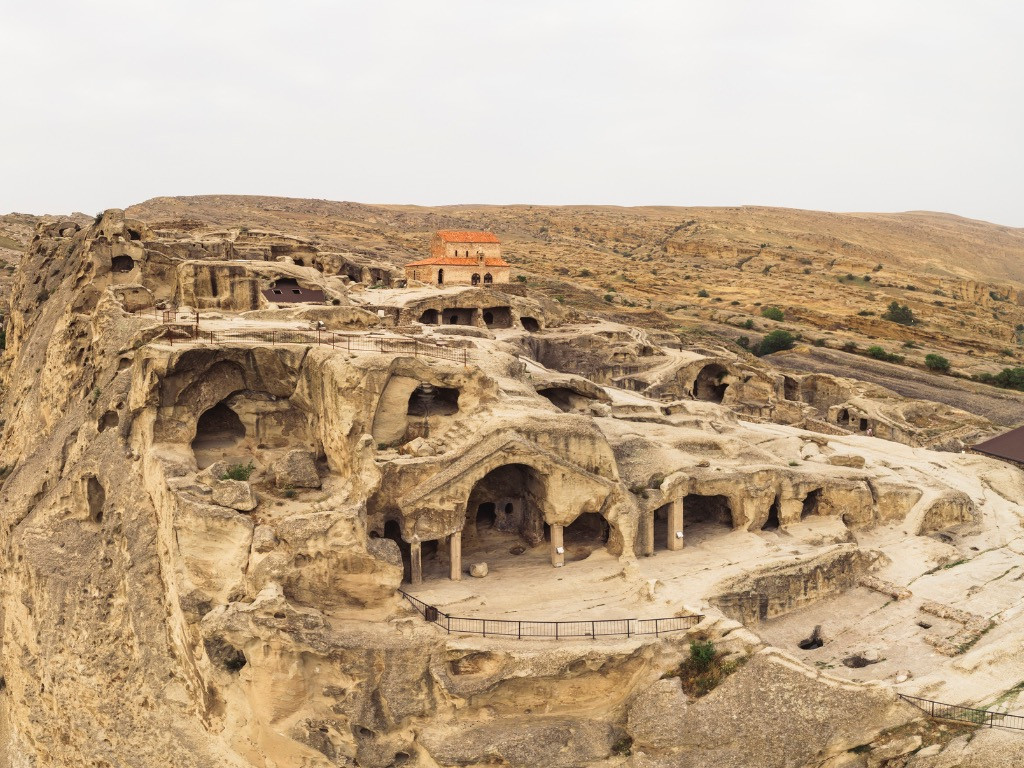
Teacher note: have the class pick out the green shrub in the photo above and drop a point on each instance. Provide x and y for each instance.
(899, 313)
(703, 293)
(865, 313)
(776, 341)
(704, 669)
(585, 273)
(880, 354)
(702, 653)
(743, 341)
(772, 313)
(608, 297)
(238, 472)
(521, 278)
(936, 363)
(1008, 378)
(748, 323)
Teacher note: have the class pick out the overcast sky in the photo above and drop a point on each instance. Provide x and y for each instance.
(878, 106)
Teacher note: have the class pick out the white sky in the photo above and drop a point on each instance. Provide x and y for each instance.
(877, 105)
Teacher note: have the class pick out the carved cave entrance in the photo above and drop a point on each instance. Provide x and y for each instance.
(219, 433)
(503, 514)
(584, 535)
(706, 516)
(811, 504)
(566, 399)
(709, 385)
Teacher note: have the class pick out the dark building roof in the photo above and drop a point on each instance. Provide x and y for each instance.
(288, 291)
(1009, 446)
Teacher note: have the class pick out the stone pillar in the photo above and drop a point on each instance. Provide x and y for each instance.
(648, 534)
(455, 551)
(416, 562)
(557, 547)
(675, 525)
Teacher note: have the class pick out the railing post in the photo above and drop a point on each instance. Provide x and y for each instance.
(627, 627)
(593, 630)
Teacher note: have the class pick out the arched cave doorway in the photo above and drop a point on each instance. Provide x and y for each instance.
(503, 513)
(843, 417)
(530, 324)
(408, 408)
(476, 278)
(429, 317)
(393, 531)
(709, 385)
(219, 432)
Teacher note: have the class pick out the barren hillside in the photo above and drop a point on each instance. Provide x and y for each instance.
(832, 274)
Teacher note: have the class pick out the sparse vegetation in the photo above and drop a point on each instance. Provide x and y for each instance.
(878, 353)
(702, 293)
(772, 313)
(705, 668)
(238, 472)
(1008, 378)
(936, 363)
(776, 341)
(899, 313)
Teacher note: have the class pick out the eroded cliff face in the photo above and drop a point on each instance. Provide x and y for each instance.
(203, 542)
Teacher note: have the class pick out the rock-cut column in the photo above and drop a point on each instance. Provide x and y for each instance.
(648, 537)
(455, 555)
(416, 562)
(675, 525)
(557, 547)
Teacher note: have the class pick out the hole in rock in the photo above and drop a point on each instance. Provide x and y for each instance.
(708, 385)
(812, 642)
(772, 523)
(530, 324)
(218, 430)
(97, 499)
(122, 264)
(811, 503)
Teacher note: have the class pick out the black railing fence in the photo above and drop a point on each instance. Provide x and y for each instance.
(556, 630)
(184, 326)
(986, 718)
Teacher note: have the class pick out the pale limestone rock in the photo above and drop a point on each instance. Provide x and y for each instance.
(478, 570)
(263, 539)
(417, 447)
(655, 714)
(846, 460)
(237, 494)
(880, 755)
(296, 470)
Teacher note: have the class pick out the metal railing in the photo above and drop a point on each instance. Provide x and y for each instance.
(985, 718)
(556, 630)
(186, 329)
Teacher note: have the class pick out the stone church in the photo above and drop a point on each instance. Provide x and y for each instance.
(461, 258)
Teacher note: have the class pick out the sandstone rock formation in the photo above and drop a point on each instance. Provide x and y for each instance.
(208, 521)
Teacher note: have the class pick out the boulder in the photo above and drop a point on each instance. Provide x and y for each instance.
(237, 494)
(655, 715)
(263, 539)
(478, 570)
(417, 447)
(296, 470)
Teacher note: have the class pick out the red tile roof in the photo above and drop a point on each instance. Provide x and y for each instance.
(458, 261)
(463, 236)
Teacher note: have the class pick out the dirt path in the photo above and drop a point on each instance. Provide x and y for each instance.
(1001, 406)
